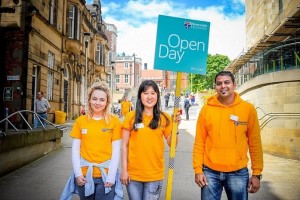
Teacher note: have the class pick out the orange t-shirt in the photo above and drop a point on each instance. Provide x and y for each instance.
(146, 148)
(96, 139)
(125, 107)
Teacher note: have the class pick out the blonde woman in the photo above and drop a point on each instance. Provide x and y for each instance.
(96, 148)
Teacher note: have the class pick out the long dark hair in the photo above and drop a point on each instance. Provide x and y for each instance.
(140, 107)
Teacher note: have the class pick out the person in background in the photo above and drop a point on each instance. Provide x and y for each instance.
(226, 129)
(167, 98)
(82, 112)
(96, 148)
(42, 107)
(186, 105)
(126, 106)
(193, 99)
(119, 107)
(143, 145)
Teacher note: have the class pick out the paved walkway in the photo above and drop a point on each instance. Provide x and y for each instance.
(46, 178)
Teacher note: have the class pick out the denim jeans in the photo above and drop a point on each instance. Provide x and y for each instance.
(37, 122)
(235, 184)
(186, 110)
(144, 190)
(99, 191)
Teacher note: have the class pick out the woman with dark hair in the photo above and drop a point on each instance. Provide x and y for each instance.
(143, 145)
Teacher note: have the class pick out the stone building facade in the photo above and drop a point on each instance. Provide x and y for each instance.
(58, 47)
(127, 72)
(268, 72)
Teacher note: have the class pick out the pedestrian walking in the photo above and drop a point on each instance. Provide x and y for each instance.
(42, 107)
(186, 105)
(143, 144)
(226, 129)
(167, 98)
(119, 107)
(193, 99)
(96, 149)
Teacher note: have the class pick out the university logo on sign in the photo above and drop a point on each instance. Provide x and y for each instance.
(181, 45)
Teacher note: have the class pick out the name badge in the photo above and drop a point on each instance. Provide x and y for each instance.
(83, 131)
(140, 125)
(234, 118)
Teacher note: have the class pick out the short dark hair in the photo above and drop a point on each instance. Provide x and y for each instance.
(225, 73)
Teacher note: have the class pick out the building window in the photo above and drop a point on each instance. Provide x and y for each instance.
(75, 92)
(51, 58)
(117, 79)
(73, 22)
(126, 79)
(280, 5)
(53, 12)
(111, 57)
(126, 65)
(50, 85)
(100, 54)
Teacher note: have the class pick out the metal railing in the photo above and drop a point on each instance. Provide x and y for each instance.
(267, 117)
(9, 124)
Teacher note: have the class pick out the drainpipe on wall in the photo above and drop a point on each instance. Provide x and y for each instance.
(27, 19)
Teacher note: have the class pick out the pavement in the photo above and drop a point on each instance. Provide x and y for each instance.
(46, 178)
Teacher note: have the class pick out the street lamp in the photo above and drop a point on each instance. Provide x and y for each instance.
(191, 82)
(86, 45)
(35, 69)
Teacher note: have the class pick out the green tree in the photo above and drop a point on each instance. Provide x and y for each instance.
(215, 63)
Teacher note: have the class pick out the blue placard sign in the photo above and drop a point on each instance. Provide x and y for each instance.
(181, 45)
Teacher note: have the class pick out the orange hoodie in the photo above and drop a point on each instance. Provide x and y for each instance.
(224, 134)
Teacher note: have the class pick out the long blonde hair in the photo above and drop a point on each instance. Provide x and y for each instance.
(103, 86)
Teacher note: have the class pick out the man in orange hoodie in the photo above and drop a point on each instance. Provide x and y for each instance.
(227, 128)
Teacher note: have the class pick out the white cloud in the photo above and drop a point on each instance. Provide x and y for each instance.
(137, 24)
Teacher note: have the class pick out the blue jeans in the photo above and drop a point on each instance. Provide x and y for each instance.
(144, 190)
(186, 110)
(235, 184)
(37, 122)
(99, 191)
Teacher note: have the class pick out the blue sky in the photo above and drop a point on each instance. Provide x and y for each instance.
(136, 21)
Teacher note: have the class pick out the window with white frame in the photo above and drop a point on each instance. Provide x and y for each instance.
(73, 22)
(98, 56)
(51, 59)
(126, 78)
(126, 64)
(50, 85)
(117, 79)
(53, 12)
